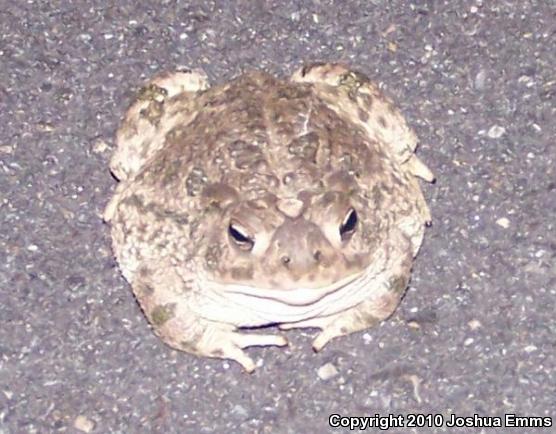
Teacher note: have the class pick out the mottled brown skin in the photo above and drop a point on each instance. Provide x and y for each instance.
(265, 201)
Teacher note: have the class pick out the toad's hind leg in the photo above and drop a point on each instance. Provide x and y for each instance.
(353, 96)
(163, 296)
(150, 117)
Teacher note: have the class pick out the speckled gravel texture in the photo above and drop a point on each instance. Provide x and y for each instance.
(476, 331)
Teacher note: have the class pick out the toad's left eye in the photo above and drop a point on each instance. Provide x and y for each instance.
(240, 236)
(349, 224)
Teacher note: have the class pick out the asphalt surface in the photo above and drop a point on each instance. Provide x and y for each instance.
(476, 331)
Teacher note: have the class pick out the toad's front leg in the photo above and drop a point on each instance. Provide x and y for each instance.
(360, 317)
(163, 296)
(384, 295)
(198, 336)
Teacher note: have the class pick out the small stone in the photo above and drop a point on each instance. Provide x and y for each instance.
(414, 325)
(99, 146)
(83, 423)
(327, 371)
(240, 411)
(503, 222)
(85, 37)
(474, 324)
(32, 247)
(416, 383)
(480, 80)
(496, 131)
(530, 348)
(468, 342)
(46, 127)
(6, 149)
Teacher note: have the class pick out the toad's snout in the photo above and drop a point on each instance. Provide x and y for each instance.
(299, 246)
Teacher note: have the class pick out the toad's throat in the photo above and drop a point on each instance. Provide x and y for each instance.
(250, 306)
(298, 296)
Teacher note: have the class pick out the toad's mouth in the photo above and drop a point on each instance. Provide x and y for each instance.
(297, 296)
(251, 306)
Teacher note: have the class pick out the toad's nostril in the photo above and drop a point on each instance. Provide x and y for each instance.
(317, 255)
(285, 260)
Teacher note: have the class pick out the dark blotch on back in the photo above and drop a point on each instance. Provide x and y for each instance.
(398, 284)
(305, 146)
(162, 313)
(195, 181)
(363, 115)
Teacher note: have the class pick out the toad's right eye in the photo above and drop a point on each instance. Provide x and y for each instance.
(240, 237)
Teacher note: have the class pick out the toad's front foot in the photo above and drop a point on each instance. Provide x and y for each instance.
(208, 339)
(232, 347)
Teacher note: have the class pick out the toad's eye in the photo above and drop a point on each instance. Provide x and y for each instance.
(347, 228)
(240, 237)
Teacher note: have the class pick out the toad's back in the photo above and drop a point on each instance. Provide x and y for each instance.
(258, 132)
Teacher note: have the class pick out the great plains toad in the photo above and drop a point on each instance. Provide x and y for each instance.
(265, 201)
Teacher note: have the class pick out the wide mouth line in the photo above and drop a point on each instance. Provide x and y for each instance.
(298, 296)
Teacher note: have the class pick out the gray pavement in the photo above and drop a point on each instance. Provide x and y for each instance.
(475, 333)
